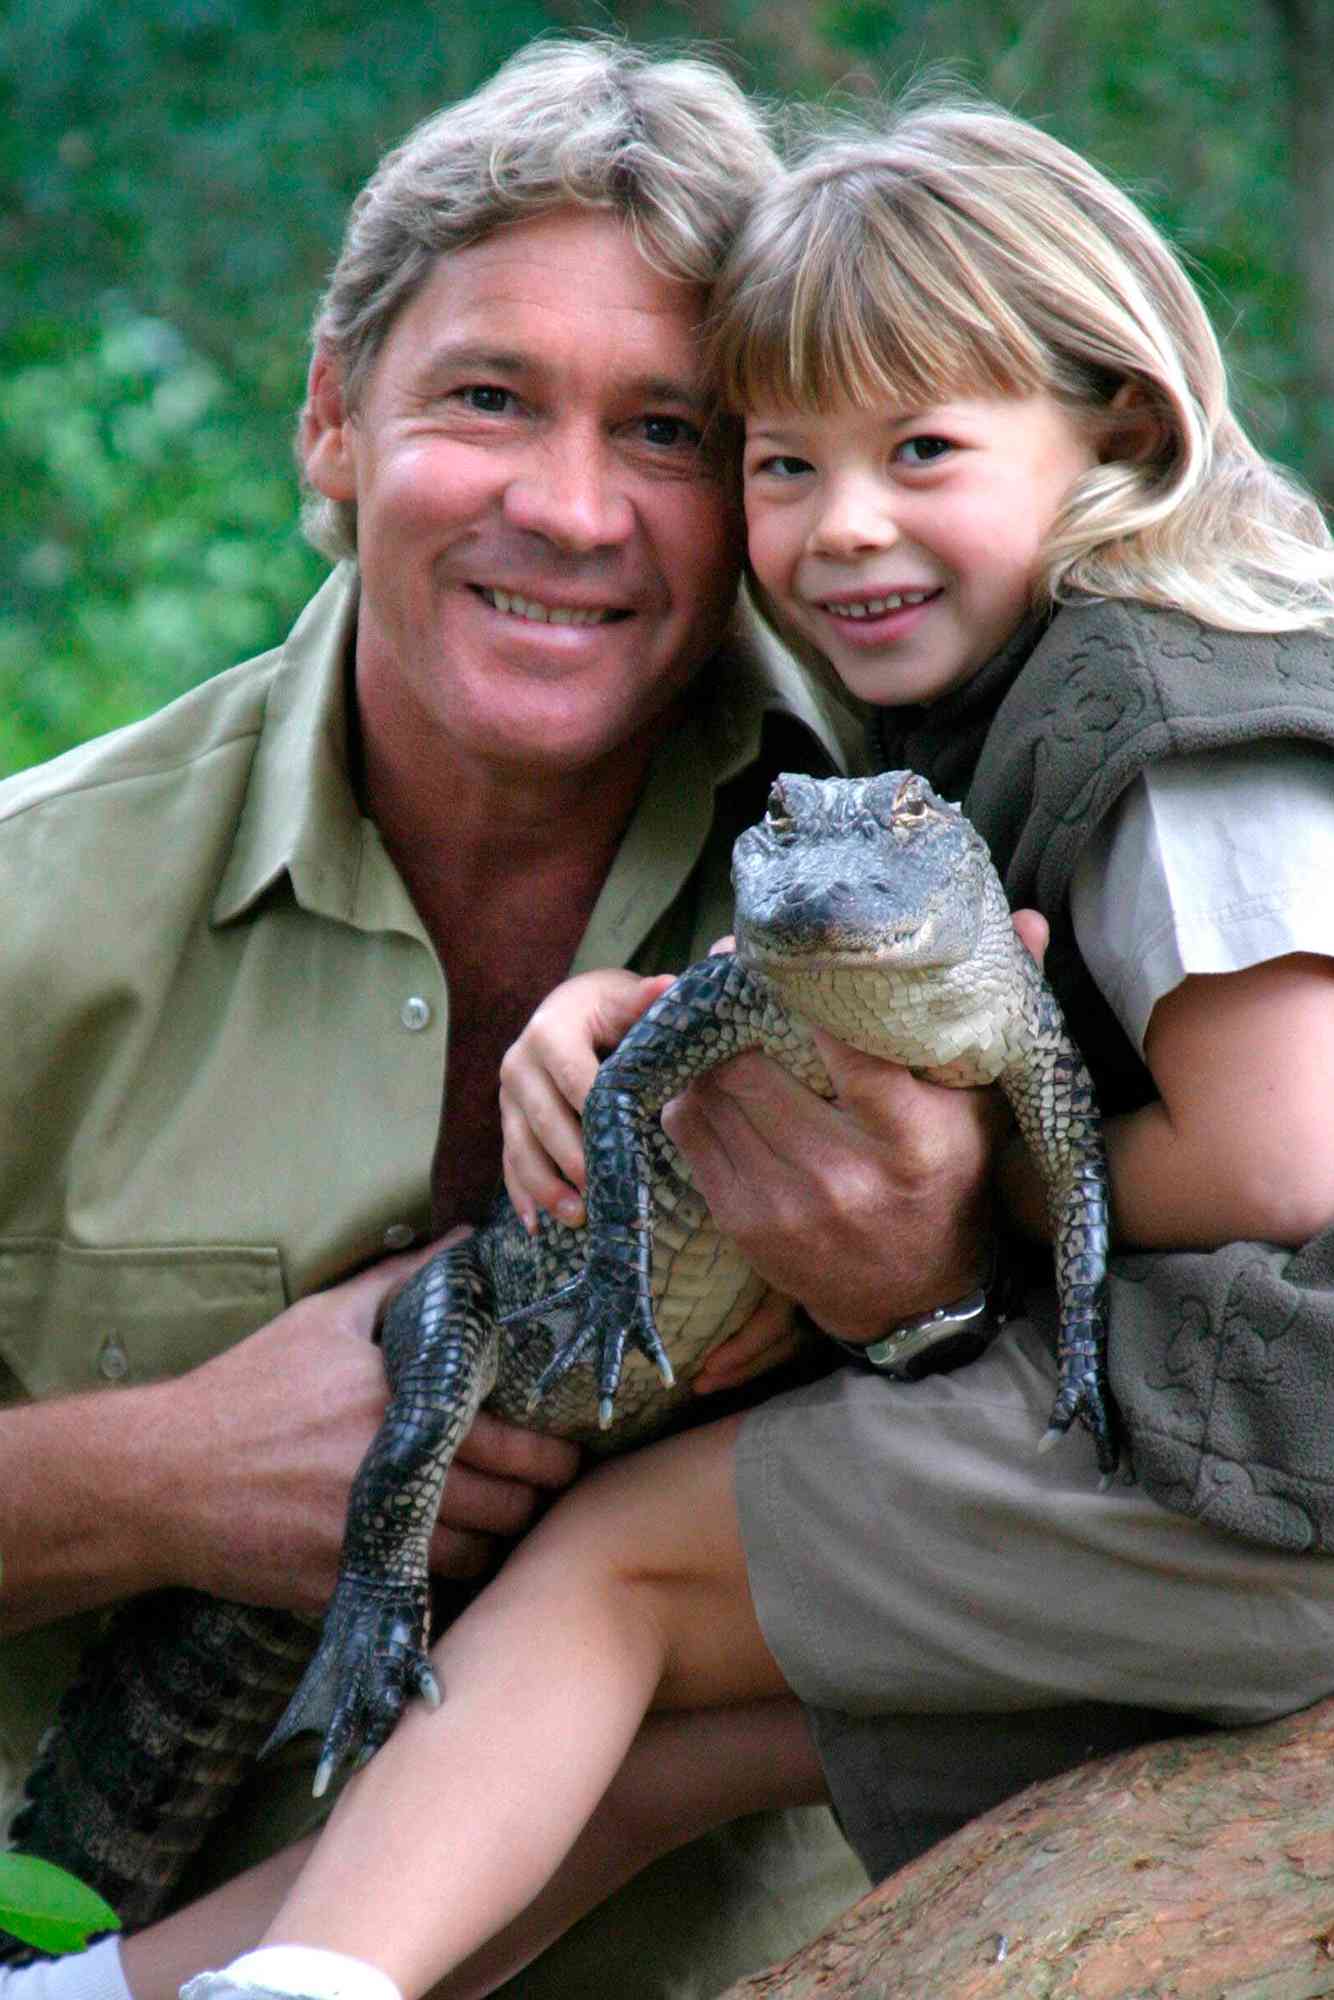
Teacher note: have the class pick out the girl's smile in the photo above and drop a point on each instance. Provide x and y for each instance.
(904, 544)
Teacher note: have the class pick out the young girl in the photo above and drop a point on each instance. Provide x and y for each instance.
(991, 477)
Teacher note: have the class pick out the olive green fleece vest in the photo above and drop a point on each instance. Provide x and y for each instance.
(1222, 1362)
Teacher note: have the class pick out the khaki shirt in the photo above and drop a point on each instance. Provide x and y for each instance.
(226, 1029)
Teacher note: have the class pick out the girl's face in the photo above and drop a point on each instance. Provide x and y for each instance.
(904, 543)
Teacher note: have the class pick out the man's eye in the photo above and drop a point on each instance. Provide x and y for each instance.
(923, 450)
(671, 431)
(486, 397)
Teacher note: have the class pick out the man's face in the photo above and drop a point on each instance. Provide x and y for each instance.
(546, 554)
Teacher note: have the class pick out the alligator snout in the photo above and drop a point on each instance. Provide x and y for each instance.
(811, 907)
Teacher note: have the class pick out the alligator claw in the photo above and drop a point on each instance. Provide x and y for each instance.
(609, 1318)
(564, 1295)
(567, 1356)
(1083, 1398)
(371, 1658)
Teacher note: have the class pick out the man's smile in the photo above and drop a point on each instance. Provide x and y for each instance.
(549, 614)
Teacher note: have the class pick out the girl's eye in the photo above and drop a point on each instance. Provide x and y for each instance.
(782, 465)
(925, 450)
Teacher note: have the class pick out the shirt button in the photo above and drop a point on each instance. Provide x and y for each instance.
(113, 1363)
(415, 1014)
(399, 1235)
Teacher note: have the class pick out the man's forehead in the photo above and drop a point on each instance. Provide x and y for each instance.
(581, 266)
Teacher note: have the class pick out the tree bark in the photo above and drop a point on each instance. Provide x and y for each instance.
(1201, 1868)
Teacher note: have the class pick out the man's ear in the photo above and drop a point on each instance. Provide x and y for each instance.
(325, 432)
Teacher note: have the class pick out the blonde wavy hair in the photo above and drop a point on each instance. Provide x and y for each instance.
(964, 251)
(670, 145)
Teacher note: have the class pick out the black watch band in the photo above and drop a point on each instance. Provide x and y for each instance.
(932, 1343)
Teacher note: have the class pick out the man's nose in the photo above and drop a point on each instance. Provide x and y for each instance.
(571, 490)
(854, 516)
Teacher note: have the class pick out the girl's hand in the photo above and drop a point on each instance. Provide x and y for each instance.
(545, 1077)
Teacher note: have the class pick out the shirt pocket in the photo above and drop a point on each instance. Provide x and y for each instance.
(78, 1318)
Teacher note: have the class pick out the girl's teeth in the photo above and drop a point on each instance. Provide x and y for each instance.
(875, 607)
(542, 614)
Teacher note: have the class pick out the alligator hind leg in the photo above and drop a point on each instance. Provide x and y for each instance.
(440, 1345)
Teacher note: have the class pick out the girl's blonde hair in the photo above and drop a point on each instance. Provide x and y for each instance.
(963, 251)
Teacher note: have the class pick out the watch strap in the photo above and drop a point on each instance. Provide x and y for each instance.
(931, 1343)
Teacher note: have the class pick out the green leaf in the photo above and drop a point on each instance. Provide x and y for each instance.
(45, 1907)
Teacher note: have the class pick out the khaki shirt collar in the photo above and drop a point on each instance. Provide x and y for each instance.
(301, 818)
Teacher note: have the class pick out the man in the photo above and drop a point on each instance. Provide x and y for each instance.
(249, 939)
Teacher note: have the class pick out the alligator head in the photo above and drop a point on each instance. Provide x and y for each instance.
(867, 871)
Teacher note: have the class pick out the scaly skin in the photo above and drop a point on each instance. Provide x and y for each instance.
(864, 906)
(870, 908)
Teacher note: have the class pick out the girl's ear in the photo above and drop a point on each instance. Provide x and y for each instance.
(1134, 431)
(326, 431)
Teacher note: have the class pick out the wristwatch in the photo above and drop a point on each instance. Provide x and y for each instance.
(934, 1342)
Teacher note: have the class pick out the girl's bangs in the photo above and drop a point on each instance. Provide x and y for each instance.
(857, 311)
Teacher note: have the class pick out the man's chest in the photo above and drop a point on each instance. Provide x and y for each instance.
(489, 1008)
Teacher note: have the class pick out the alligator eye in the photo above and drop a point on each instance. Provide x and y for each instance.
(777, 817)
(910, 806)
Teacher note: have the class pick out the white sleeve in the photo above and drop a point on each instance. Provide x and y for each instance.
(1208, 863)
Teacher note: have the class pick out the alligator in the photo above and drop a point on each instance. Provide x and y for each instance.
(867, 907)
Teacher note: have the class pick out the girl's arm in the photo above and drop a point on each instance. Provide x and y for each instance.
(1239, 1145)
(545, 1077)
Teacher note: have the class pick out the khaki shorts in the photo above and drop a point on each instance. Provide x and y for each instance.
(921, 1572)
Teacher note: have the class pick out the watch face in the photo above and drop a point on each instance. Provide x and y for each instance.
(935, 1351)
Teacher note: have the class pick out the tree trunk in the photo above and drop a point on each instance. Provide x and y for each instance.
(1200, 1868)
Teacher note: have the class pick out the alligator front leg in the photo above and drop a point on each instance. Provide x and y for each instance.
(440, 1345)
(1054, 1105)
(715, 1010)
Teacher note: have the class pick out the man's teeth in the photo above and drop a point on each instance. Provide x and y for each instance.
(546, 614)
(875, 607)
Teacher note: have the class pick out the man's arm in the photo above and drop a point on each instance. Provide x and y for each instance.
(234, 1478)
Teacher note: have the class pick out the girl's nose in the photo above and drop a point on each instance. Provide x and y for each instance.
(855, 517)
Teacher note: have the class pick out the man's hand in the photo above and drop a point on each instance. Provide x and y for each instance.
(281, 1422)
(867, 1208)
(771, 1336)
(234, 1479)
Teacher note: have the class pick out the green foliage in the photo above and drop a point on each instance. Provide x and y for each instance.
(150, 540)
(45, 1907)
(173, 180)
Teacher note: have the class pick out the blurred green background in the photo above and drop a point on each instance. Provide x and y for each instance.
(175, 176)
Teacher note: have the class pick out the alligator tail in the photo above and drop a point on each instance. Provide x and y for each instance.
(153, 1738)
